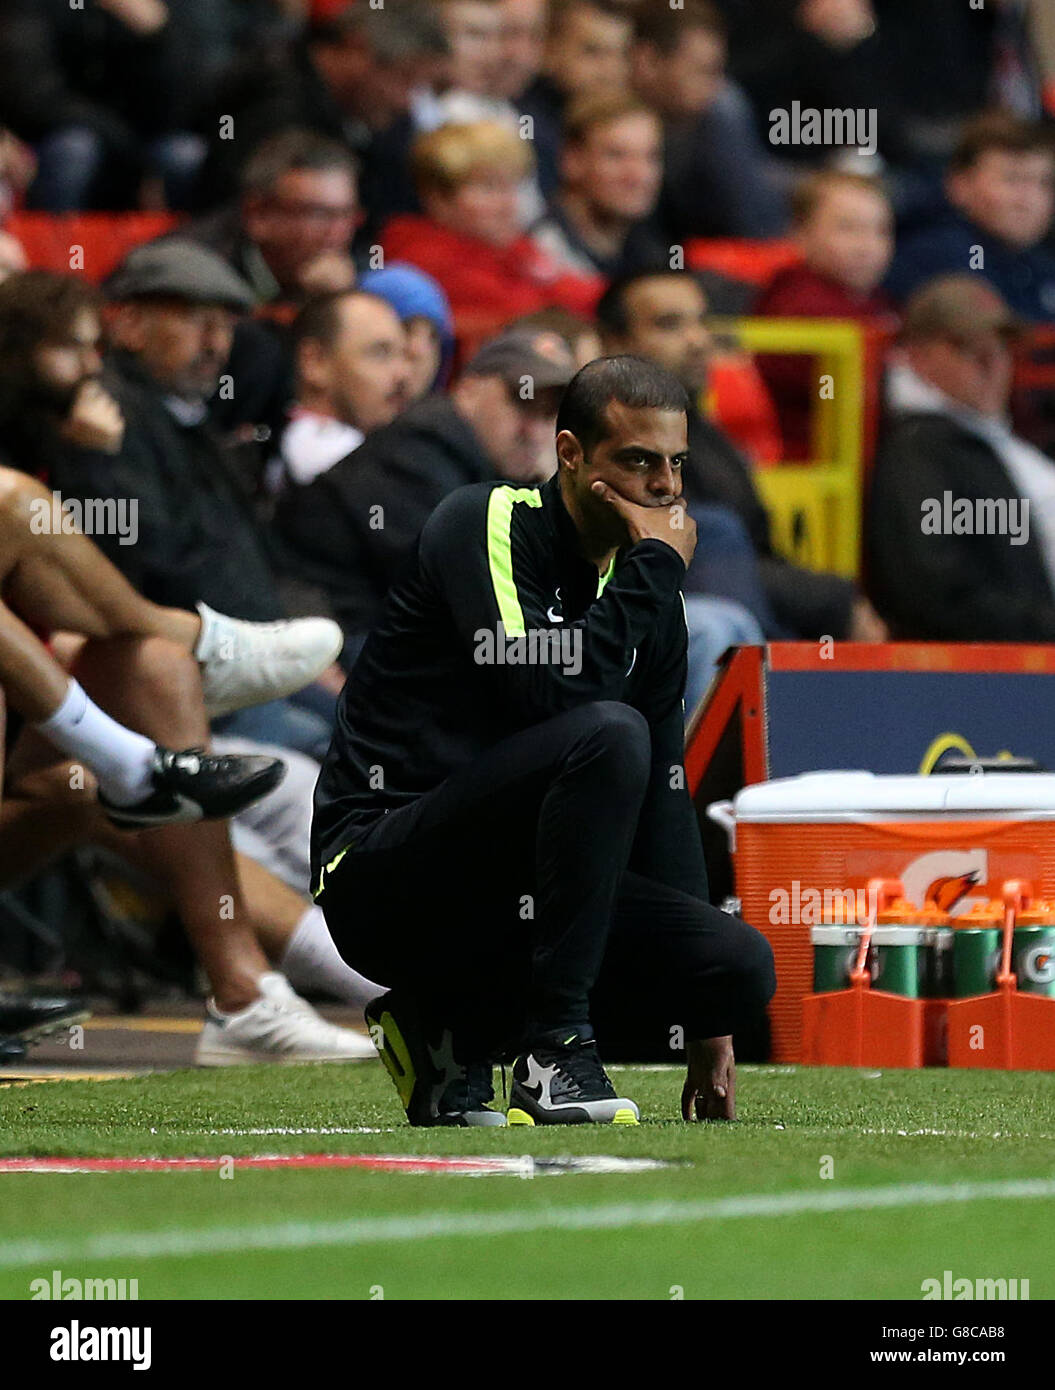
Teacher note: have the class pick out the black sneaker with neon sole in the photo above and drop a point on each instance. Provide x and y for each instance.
(561, 1081)
(434, 1087)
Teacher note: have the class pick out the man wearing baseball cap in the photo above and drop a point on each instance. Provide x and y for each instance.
(962, 514)
(351, 529)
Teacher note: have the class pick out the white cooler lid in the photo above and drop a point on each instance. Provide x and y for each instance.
(828, 793)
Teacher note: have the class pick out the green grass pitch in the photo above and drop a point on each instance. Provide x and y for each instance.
(348, 1234)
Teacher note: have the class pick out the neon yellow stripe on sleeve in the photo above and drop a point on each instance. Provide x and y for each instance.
(500, 506)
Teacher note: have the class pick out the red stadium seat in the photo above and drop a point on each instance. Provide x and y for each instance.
(89, 243)
(753, 262)
(739, 402)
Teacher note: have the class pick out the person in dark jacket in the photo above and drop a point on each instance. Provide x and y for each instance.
(1001, 190)
(587, 50)
(663, 316)
(717, 180)
(101, 92)
(288, 232)
(348, 77)
(288, 235)
(602, 219)
(961, 526)
(528, 868)
(350, 530)
(196, 539)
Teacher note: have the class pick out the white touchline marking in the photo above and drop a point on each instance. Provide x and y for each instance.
(305, 1235)
(237, 1133)
(959, 1133)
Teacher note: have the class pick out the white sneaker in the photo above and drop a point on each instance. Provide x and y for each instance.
(249, 663)
(279, 1027)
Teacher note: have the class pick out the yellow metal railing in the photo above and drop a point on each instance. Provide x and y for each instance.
(815, 507)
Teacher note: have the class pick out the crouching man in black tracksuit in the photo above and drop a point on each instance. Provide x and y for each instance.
(502, 831)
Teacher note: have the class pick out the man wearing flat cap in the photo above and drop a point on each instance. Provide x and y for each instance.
(175, 306)
(961, 525)
(351, 529)
(174, 309)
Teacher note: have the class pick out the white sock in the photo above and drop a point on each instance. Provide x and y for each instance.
(312, 962)
(121, 759)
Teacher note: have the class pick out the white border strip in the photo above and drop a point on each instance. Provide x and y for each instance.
(307, 1235)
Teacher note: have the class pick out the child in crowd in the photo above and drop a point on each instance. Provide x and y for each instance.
(844, 227)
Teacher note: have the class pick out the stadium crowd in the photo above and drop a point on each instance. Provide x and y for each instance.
(396, 230)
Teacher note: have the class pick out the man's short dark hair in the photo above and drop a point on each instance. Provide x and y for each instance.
(290, 149)
(393, 33)
(999, 130)
(631, 381)
(611, 313)
(320, 318)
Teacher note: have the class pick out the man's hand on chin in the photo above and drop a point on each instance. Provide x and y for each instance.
(671, 524)
(710, 1086)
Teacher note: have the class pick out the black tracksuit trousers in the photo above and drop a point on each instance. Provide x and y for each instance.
(503, 902)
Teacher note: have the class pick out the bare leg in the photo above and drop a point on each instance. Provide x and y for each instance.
(274, 906)
(155, 687)
(65, 582)
(35, 683)
(48, 814)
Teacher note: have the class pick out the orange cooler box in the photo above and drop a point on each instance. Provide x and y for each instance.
(804, 849)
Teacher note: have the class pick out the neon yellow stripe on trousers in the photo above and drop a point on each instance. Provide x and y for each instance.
(328, 869)
(500, 552)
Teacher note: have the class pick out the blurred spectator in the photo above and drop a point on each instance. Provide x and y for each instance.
(611, 171)
(139, 436)
(524, 25)
(717, 180)
(146, 436)
(352, 376)
(473, 30)
(961, 525)
(844, 226)
(18, 168)
(474, 87)
(289, 232)
(587, 52)
(580, 333)
(50, 330)
(469, 238)
(352, 528)
(426, 317)
(1042, 31)
(102, 94)
(663, 317)
(928, 67)
(288, 235)
(12, 256)
(948, 61)
(824, 55)
(349, 77)
(1001, 185)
